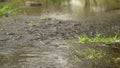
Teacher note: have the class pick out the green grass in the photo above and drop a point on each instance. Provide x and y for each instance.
(32, 24)
(8, 10)
(95, 55)
(90, 54)
(98, 38)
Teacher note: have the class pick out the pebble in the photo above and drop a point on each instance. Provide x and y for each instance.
(117, 40)
(7, 33)
(3, 39)
(1, 29)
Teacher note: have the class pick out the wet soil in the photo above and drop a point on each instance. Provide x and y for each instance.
(35, 42)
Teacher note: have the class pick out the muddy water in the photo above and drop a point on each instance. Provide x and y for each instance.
(51, 41)
(71, 9)
(67, 9)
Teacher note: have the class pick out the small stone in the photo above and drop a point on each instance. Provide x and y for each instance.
(10, 33)
(117, 40)
(3, 39)
(1, 29)
(32, 3)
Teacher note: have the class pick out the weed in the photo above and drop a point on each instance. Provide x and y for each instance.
(31, 24)
(116, 59)
(98, 38)
(90, 54)
(6, 10)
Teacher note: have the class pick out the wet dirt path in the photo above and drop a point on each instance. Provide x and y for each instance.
(32, 42)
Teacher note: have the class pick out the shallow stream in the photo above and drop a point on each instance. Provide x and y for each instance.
(46, 36)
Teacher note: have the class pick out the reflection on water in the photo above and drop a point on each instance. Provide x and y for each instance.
(67, 7)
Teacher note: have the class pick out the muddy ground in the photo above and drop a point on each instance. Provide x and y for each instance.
(35, 42)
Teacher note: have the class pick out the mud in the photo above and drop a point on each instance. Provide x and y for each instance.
(35, 42)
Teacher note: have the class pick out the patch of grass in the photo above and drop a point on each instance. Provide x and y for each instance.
(99, 38)
(31, 24)
(6, 10)
(116, 59)
(90, 54)
(95, 54)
